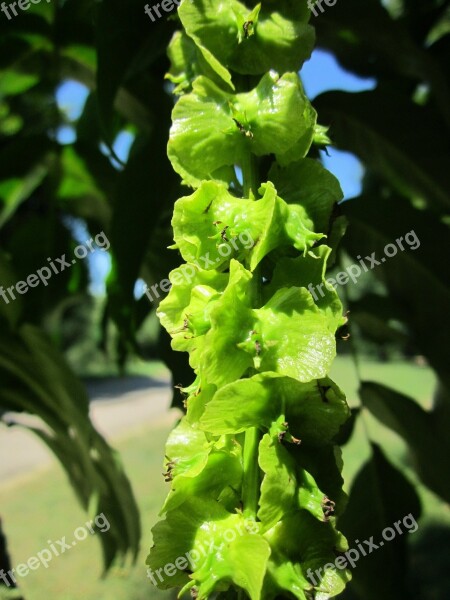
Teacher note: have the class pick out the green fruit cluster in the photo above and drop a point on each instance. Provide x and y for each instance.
(254, 468)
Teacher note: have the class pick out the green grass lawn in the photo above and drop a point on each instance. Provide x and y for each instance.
(42, 506)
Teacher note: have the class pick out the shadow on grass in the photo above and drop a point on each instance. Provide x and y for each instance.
(104, 388)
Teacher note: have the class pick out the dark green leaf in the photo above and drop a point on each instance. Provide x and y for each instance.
(425, 435)
(381, 497)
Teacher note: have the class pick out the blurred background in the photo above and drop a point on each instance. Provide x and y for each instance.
(84, 120)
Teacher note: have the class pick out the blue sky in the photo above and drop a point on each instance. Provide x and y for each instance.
(320, 74)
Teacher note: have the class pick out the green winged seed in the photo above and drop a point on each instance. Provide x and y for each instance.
(315, 411)
(207, 138)
(214, 224)
(250, 41)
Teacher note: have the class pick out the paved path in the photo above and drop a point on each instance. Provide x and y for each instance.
(117, 408)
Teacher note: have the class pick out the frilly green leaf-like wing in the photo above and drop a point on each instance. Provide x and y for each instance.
(315, 411)
(213, 130)
(279, 485)
(308, 183)
(250, 42)
(294, 336)
(214, 224)
(309, 272)
(299, 543)
(324, 463)
(222, 361)
(289, 335)
(222, 471)
(267, 113)
(187, 63)
(187, 449)
(230, 566)
(213, 544)
(203, 137)
(185, 311)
